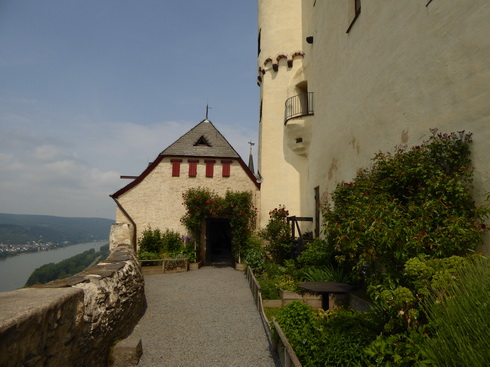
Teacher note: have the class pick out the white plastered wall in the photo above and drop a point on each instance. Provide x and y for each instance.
(157, 202)
(403, 68)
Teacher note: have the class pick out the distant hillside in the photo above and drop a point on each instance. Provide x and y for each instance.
(20, 229)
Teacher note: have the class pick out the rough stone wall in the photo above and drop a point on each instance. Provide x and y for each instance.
(73, 321)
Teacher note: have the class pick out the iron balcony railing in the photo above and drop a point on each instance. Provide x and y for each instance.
(297, 106)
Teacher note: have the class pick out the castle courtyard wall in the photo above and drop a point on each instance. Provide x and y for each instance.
(73, 321)
(156, 202)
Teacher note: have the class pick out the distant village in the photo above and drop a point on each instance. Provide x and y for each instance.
(32, 246)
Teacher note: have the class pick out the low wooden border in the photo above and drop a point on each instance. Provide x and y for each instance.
(286, 353)
(288, 356)
(165, 262)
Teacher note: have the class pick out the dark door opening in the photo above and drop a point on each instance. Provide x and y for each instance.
(218, 241)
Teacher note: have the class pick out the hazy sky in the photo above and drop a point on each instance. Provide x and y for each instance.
(94, 89)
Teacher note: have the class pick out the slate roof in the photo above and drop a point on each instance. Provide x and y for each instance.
(203, 140)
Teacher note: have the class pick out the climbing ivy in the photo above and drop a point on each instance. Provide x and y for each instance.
(236, 206)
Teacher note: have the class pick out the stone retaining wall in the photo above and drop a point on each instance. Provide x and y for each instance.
(73, 321)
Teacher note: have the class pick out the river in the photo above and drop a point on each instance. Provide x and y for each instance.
(15, 270)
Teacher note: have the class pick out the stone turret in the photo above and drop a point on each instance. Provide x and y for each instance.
(280, 68)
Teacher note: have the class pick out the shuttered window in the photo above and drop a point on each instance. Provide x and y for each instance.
(193, 167)
(226, 168)
(176, 167)
(210, 168)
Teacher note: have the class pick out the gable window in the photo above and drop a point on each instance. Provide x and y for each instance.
(209, 167)
(354, 12)
(226, 168)
(202, 141)
(193, 167)
(175, 167)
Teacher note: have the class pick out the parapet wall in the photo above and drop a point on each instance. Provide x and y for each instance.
(73, 321)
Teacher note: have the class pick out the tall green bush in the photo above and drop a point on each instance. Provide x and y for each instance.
(154, 241)
(414, 202)
(277, 233)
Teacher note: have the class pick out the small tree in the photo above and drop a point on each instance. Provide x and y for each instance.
(277, 232)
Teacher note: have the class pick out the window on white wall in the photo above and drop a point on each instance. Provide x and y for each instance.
(226, 168)
(193, 167)
(210, 167)
(176, 167)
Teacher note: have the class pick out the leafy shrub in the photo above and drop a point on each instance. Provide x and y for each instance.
(415, 201)
(345, 333)
(335, 337)
(269, 288)
(277, 232)
(150, 241)
(317, 252)
(255, 256)
(168, 243)
(427, 275)
(300, 327)
(405, 349)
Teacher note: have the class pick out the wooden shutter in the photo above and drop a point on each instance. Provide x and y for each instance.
(193, 167)
(210, 168)
(226, 168)
(176, 167)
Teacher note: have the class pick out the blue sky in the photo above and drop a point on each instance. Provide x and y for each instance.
(94, 89)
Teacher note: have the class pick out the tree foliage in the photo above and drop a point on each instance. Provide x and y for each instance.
(67, 267)
(415, 202)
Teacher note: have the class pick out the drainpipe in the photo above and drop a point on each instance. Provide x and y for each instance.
(130, 219)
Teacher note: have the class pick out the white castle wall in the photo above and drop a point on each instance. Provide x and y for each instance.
(403, 68)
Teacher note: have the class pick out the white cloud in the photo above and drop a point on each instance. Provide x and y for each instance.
(72, 172)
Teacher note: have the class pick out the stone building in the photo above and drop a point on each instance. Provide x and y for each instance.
(342, 80)
(203, 158)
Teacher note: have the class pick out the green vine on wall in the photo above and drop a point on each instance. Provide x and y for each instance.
(237, 206)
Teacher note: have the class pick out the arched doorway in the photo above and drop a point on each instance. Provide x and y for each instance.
(218, 241)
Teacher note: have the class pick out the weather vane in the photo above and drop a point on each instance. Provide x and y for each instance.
(207, 108)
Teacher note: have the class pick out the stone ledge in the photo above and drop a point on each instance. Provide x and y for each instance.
(126, 353)
(76, 318)
(20, 305)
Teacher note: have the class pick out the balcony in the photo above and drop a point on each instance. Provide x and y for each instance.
(298, 106)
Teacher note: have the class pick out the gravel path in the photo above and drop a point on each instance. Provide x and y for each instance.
(202, 318)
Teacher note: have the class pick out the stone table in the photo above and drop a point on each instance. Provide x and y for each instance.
(325, 288)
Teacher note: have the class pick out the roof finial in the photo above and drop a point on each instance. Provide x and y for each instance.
(207, 110)
(250, 158)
